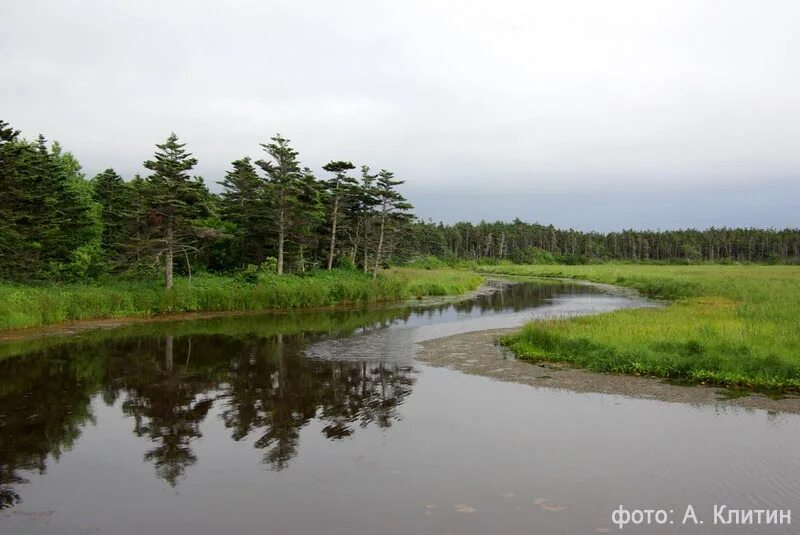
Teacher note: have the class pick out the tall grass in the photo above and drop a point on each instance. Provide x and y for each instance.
(423, 282)
(34, 306)
(727, 325)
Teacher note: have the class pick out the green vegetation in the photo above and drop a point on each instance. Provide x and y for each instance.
(57, 226)
(422, 283)
(736, 326)
(533, 243)
(32, 306)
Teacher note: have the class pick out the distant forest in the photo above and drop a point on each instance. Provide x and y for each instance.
(532, 243)
(273, 213)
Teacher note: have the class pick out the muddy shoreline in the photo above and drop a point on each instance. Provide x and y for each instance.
(477, 353)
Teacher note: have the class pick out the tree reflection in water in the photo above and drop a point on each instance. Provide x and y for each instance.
(272, 392)
(168, 402)
(44, 404)
(263, 388)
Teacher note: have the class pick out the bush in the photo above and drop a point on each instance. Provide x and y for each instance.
(344, 262)
(535, 255)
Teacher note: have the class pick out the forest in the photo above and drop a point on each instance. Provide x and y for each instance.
(272, 214)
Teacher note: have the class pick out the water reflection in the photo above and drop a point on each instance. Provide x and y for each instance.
(168, 385)
(43, 406)
(254, 370)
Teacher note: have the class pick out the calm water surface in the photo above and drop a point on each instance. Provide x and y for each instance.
(324, 423)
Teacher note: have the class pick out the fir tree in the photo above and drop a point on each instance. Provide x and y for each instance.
(393, 207)
(244, 204)
(360, 211)
(175, 200)
(284, 179)
(337, 186)
(11, 195)
(115, 198)
(309, 216)
(47, 220)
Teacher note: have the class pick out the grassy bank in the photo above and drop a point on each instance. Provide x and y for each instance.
(736, 326)
(35, 306)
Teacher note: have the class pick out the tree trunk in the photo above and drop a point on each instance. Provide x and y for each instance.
(188, 264)
(169, 256)
(281, 235)
(333, 231)
(356, 243)
(380, 244)
(280, 247)
(366, 246)
(168, 355)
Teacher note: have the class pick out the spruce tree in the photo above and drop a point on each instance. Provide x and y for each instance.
(337, 186)
(47, 224)
(244, 204)
(361, 211)
(174, 201)
(309, 216)
(115, 198)
(11, 194)
(284, 186)
(393, 207)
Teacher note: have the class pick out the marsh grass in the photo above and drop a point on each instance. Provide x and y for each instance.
(439, 282)
(35, 306)
(735, 326)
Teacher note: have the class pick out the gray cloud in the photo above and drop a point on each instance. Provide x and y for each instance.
(509, 103)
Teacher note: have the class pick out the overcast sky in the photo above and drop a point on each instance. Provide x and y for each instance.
(587, 114)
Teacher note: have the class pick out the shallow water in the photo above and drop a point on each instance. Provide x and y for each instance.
(324, 423)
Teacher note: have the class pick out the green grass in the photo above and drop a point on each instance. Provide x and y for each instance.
(736, 326)
(35, 306)
(439, 282)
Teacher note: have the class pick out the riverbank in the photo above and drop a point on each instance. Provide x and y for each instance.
(733, 326)
(24, 306)
(477, 353)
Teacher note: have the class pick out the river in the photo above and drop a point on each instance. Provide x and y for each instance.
(361, 422)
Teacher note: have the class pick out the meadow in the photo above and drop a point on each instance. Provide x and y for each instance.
(735, 326)
(26, 305)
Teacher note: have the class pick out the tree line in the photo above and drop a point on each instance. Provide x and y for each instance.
(274, 214)
(526, 243)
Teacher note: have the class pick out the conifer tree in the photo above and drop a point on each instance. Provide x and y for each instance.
(338, 186)
(244, 204)
(80, 228)
(393, 207)
(309, 216)
(361, 211)
(115, 198)
(10, 195)
(47, 222)
(174, 201)
(284, 179)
